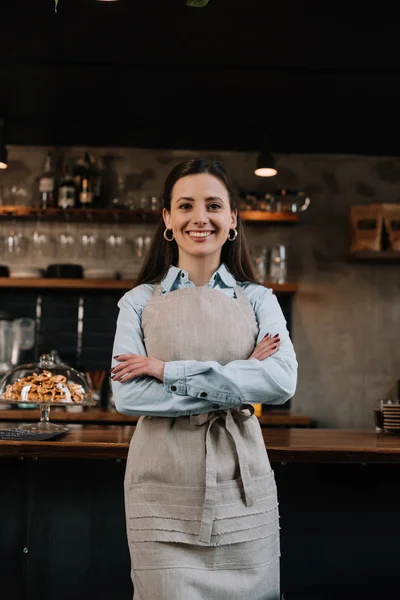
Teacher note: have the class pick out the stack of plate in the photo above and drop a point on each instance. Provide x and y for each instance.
(97, 273)
(391, 418)
(25, 272)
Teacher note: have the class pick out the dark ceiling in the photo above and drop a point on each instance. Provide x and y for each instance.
(309, 76)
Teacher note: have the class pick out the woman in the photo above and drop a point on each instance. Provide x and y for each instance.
(197, 342)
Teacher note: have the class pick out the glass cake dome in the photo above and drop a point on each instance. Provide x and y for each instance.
(46, 384)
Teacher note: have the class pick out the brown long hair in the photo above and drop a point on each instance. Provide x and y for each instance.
(163, 254)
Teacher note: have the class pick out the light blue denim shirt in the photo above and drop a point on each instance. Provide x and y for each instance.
(270, 381)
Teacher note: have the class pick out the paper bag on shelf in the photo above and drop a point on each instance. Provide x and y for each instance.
(391, 217)
(366, 227)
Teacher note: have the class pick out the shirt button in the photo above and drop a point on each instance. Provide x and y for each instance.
(203, 395)
(182, 274)
(173, 388)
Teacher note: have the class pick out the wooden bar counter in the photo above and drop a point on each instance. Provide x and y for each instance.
(289, 445)
(62, 519)
(271, 418)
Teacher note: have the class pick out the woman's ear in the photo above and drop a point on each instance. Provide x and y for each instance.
(167, 218)
(234, 219)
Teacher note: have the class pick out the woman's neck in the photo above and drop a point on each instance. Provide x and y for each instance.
(200, 270)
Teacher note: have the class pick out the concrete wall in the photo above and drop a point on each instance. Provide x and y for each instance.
(346, 317)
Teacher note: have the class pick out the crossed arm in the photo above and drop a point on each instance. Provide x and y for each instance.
(147, 386)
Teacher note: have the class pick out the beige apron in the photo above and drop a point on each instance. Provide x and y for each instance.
(202, 483)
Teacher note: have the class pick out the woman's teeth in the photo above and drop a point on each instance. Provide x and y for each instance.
(200, 235)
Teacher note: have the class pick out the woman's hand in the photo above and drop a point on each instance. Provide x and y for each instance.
(267, 347)
(135, 365)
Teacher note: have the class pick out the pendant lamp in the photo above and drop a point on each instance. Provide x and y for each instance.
(265, 165)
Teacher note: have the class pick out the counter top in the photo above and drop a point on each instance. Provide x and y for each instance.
(283, 445)
(274, 417)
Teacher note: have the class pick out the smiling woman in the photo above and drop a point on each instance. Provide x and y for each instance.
(197, 343)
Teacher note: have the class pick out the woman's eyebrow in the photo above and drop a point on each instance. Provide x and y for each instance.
(207, 199)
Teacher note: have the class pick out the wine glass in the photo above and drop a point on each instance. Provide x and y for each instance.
(15, 244)
(42, 244)
(67, 242)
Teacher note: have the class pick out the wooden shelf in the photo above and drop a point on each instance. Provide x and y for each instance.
(78, 215)
(387, 257)
(124, 216)
(102, 284)
(265, 216)
(63, 284)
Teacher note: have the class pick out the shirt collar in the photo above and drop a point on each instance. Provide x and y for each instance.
(221, 273)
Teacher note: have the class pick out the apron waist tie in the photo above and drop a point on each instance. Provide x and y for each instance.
(230, 416)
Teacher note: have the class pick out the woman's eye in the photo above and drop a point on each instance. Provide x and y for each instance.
(214, 206)
(184, 206)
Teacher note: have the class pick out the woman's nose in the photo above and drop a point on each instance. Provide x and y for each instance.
(200, 217)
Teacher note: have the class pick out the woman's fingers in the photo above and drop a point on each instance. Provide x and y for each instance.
(125, 358)
(266, 347)
(265, 354)
(127, 374)
(269, 353)
(267, 343)
(135, 366)
(121, 366)
(121, 357)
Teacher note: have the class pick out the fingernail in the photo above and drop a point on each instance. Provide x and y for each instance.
(116, 356)
(277, 335)
(274, 347)
(266, 335)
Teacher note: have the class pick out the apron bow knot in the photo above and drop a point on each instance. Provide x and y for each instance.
(231, 417)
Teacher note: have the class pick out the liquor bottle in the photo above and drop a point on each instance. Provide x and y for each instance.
(86, 192)
(93, 169)
(67, 189)
(47, 184)
(79, 171)
(85, 175)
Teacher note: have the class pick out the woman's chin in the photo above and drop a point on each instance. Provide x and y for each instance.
(201, 250)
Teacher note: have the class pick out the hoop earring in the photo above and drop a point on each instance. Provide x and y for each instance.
(166, 236)
(235, 234)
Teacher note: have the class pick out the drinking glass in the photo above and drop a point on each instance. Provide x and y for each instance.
(42, 245)
(15, 244)
(92, 245)
(277, 270)
(259, 255)
(67, 244)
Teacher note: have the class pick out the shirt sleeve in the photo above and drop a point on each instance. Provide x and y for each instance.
(270, 381)
(146, 395)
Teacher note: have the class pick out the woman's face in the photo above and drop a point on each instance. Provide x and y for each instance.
(201, 215)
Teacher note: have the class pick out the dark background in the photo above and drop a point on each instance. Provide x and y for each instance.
(309, 76)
